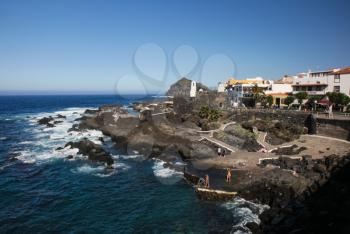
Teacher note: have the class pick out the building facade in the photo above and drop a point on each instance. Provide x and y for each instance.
(279, 92)
(321, 82)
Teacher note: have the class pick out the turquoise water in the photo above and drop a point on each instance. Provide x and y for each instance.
(41, 191)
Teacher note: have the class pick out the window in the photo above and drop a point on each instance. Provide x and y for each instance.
(337, 78)
(336, 89)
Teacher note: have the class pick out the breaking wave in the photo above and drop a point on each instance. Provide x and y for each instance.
(164, 174)
(244, 212)
(47, 139)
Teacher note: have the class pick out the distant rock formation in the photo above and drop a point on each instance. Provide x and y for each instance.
(182, 88)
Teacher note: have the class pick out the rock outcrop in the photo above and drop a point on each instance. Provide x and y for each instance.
(182, 88)
(94, 152)
(320, 205)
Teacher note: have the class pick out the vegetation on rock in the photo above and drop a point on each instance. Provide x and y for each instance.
(210, 114)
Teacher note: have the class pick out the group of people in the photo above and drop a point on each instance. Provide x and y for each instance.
(228, 178)
(221, 152)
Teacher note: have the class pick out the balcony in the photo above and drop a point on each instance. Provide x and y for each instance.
(311, 92)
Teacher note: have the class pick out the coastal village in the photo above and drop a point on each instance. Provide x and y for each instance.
(271, 142)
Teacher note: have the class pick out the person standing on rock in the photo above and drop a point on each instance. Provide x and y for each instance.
(206, 181)
(223, 153)
(219, 151)
(228, 175)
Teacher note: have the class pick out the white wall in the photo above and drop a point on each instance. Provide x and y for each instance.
(280, 88)
(193, 90)
(345, 84)
(221, 87)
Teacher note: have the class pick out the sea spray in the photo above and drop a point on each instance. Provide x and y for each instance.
(244, 212)
(164, 174)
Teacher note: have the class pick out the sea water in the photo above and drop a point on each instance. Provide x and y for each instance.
(42, 191)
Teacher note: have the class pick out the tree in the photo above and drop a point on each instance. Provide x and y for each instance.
(289, 100)
(339, 99)
(210, 114)
(214, 115)
(204, 112)
(269, 100)
(301, 96)
(257, 93)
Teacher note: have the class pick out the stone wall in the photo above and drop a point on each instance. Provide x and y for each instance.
(334, 128)
(327, 127)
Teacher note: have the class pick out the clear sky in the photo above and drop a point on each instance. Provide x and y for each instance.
(102, 46)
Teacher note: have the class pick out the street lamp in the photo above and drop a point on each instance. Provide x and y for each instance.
(315, 102)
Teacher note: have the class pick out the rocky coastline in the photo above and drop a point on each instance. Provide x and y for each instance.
(273, 160)
(282, 182)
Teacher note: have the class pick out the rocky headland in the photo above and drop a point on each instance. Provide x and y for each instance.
(273, 158)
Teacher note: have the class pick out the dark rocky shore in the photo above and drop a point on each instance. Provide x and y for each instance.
(293, 188)
(305, 194)
(321, 208)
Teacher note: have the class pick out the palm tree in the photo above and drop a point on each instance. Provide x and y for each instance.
(258, 93)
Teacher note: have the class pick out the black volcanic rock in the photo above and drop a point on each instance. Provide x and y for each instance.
(323, 206)
(310, 123)
(94, 152)
(45, 120)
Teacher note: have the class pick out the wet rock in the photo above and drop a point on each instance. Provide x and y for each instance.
(69, 157)
(145, 115)
(59, 116)
(45, 120)
(50, 125)
(91, 112)
(94, 152)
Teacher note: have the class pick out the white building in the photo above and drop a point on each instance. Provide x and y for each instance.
(193, 90)
(243, 88)
(221, 87)
(279, 92)
(321, 82)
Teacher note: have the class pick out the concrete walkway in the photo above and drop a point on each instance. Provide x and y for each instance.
(219, 143)
(221, 128)
(162, 113)
(329, 138)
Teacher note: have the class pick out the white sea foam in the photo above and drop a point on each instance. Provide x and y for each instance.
(6, 165)
(135, 157)
(87, 169)
(121, 166)
(26, 143)
(48, 139)
(100, 171)
(165, 175)
(3, 138)
(244, 212)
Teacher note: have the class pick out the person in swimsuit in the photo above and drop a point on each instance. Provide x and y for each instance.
(228, 175)
(207, 181)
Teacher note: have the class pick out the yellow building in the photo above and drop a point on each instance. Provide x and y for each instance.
(257, 80)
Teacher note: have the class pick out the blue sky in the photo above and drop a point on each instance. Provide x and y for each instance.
(126, 46)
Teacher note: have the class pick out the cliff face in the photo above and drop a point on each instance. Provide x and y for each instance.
(182, 88)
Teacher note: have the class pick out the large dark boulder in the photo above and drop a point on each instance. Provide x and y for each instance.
(45, 120)
(310, 123)
(94, 152)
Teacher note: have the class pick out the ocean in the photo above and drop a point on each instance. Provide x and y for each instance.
(42, 191)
